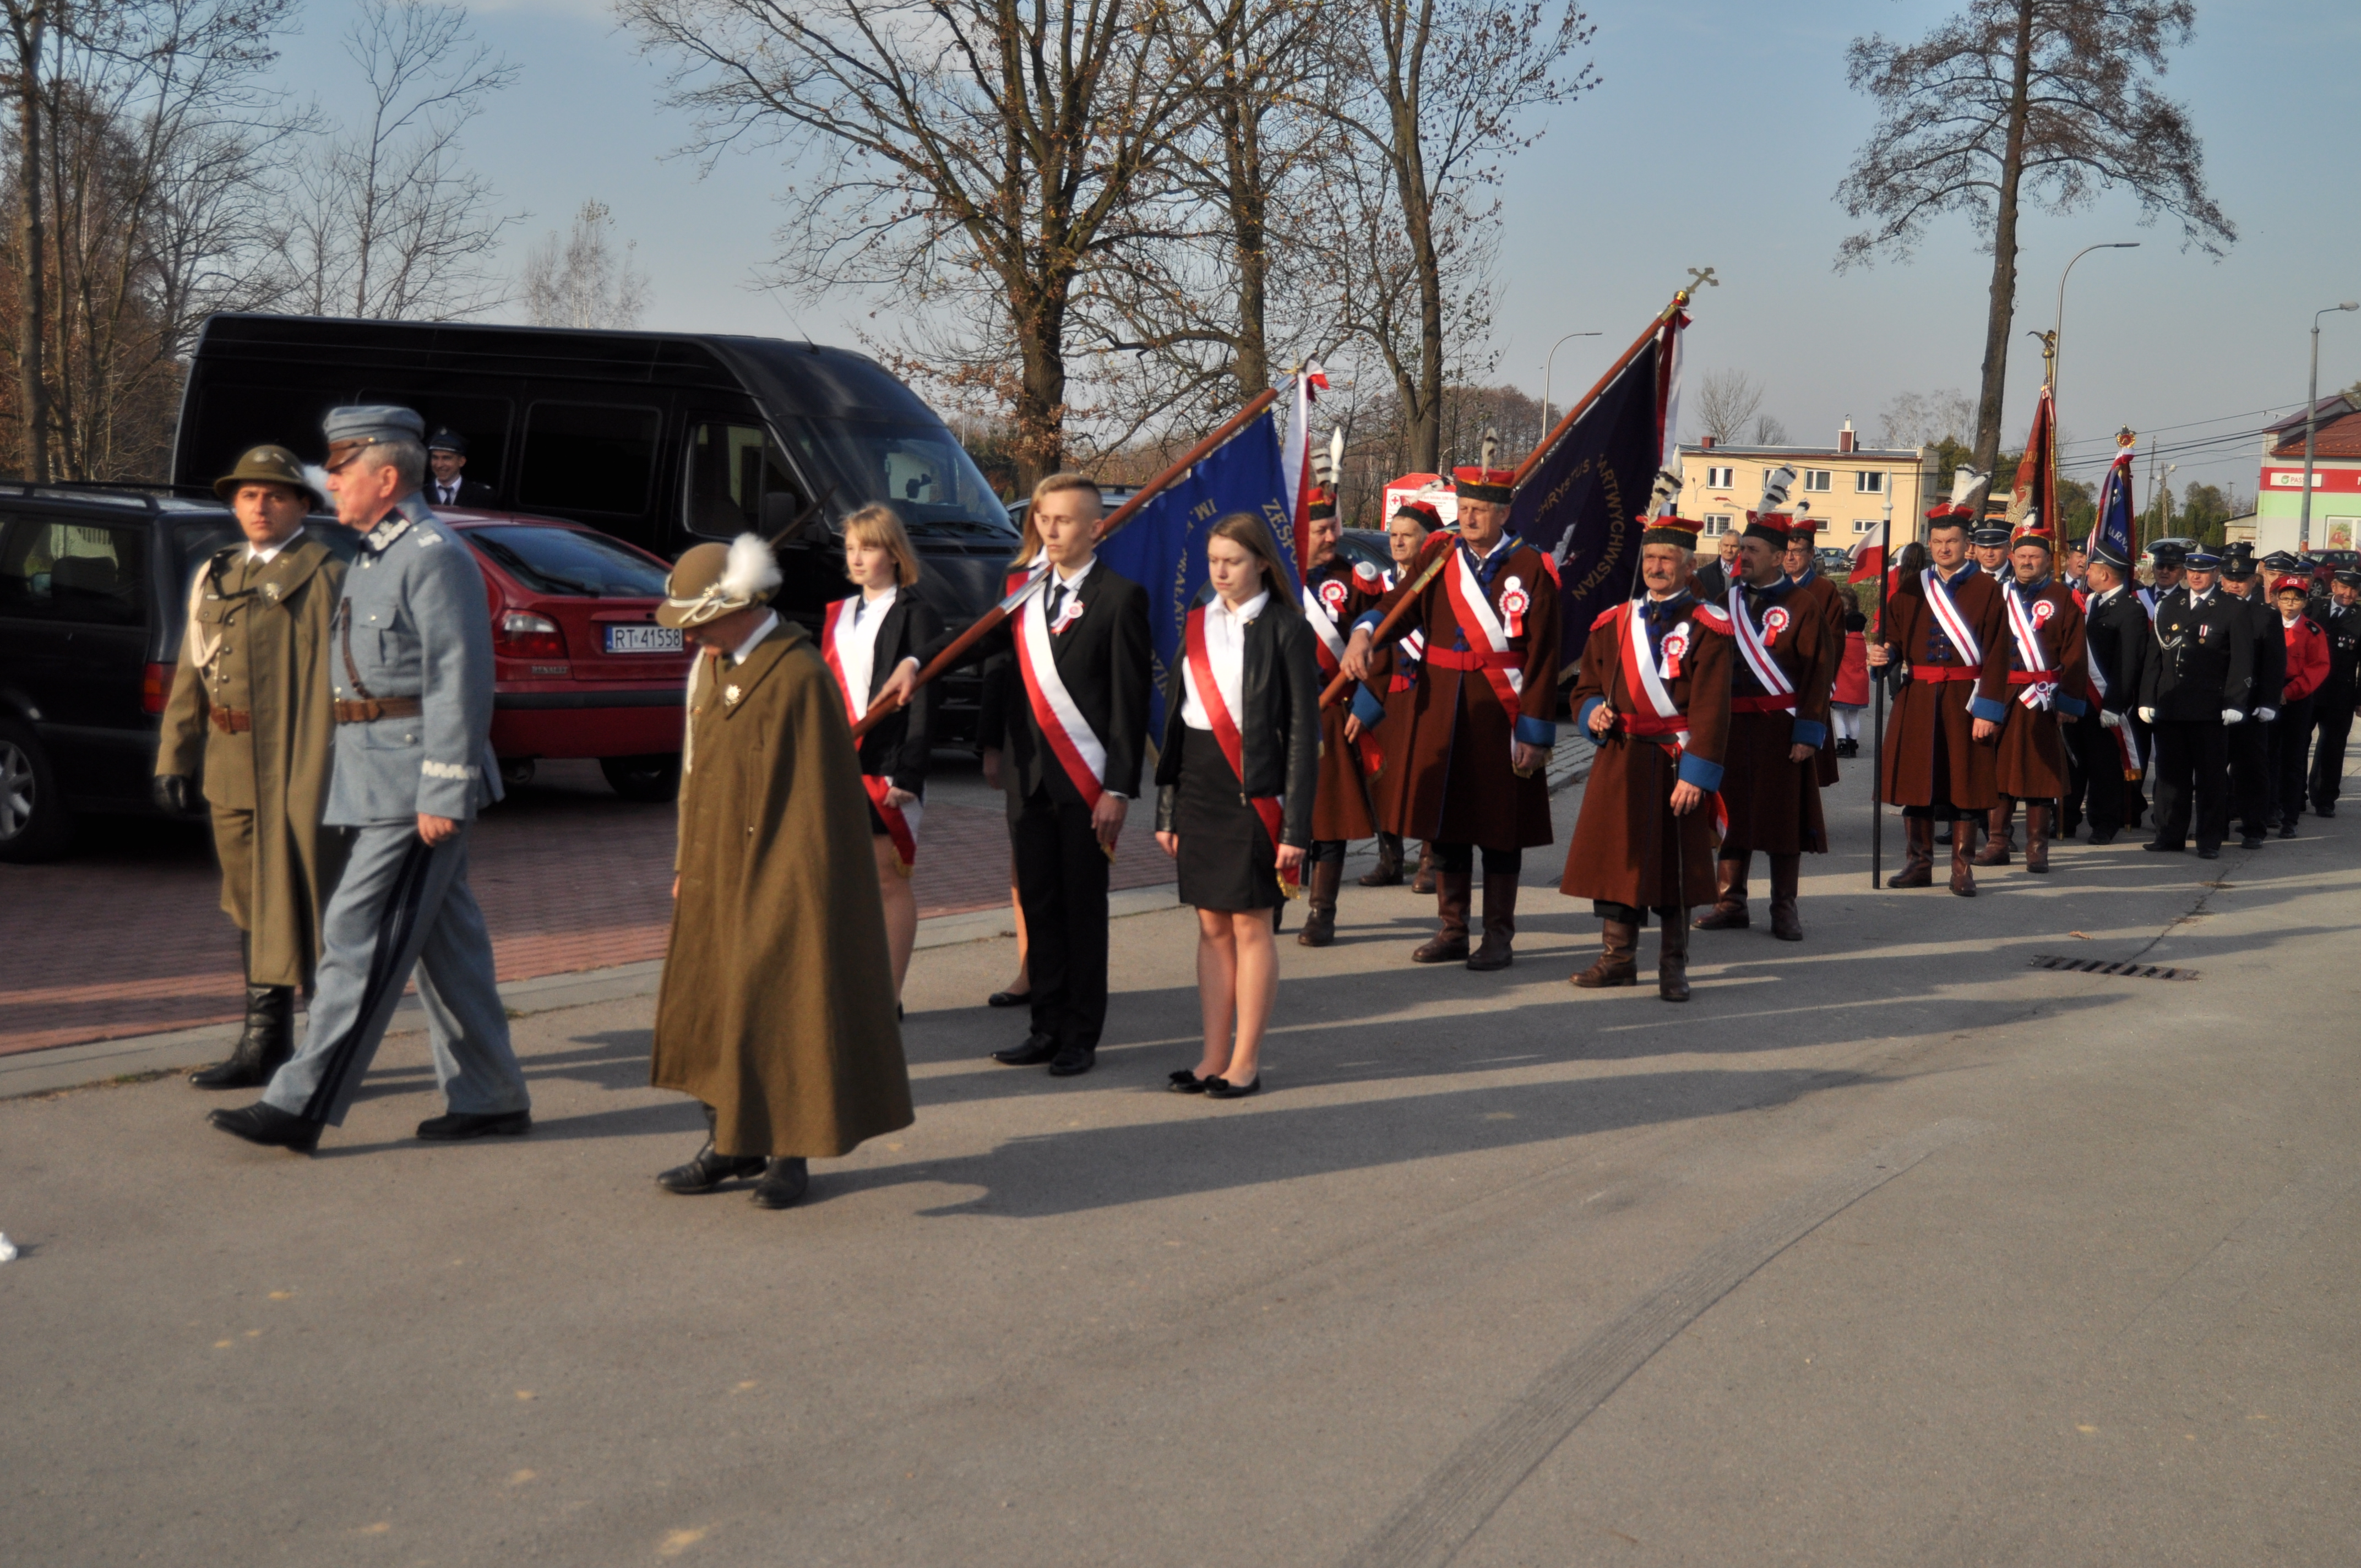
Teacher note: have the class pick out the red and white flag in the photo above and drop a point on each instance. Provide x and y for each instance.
(1295, 455)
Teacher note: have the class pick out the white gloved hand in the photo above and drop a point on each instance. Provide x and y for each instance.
(2147, 716)
(2267, 714)
(2232, 716)
(2110, 721)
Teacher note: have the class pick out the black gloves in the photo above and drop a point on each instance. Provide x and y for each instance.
(176, 794)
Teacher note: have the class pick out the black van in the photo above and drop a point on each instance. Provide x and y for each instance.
(660, 438)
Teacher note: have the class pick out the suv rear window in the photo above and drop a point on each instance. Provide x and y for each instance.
(85, 573)
(563, 562)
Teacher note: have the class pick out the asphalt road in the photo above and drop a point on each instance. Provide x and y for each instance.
(1889, 1248)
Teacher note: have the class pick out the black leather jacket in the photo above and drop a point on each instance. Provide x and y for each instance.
(1279, 730)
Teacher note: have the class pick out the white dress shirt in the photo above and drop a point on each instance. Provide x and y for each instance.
(265, 554)
(745, 650)
(1225, 650)
(856, 641)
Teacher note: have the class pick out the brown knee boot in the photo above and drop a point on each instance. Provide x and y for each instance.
(1995, 850)
(1320, 922)
(2036, 837)
(1672, 958)
(1387, 872)
(1422, 881)
(1963, 876)
(1729, 911)
(1919, 856)
(1786, 870)
(1619, 959)
(1448, 945)
(1498, 950)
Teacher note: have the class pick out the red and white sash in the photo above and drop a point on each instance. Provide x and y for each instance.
(1947, 612)
(2023, 625)
(1226, 729)
(1078, 749)
(1648, 682)
(901, 826)
(1503, 669)
(1757, 652)
(1324, 626)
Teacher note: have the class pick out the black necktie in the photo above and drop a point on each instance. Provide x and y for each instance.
(1057, 600)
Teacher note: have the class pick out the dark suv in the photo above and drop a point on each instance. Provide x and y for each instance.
(94, 591)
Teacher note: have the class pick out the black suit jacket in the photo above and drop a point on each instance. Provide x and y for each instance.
(902, 744)
(1278, 732)
(1712, 584)
(2270, 653)
(2204, 659)
(2118, 640)
(1104, 657)
(472, 493)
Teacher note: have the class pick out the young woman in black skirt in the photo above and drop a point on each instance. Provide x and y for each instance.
(1243, 702)
(862, 639)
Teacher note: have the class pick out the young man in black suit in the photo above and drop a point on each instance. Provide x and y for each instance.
(446, 484)
(1072, 666)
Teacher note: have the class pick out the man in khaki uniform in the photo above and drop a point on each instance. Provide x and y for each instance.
(249, 722)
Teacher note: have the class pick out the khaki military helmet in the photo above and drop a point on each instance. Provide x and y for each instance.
(269, 464)
(711, 581)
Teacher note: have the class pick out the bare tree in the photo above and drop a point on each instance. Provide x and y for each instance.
(391, 224)
(1923, 419)
(2011, 101)
(1726, 401)
(153, 192)
(1436, 94)
(1769, 430)
(971, 160)
(578, 279)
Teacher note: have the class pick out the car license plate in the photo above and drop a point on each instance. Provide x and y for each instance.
(643, 640)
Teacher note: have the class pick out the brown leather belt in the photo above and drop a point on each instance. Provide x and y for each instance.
(233, 720)
(369, 709)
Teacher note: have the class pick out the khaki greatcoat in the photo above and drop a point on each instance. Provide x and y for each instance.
(776, 1006)
(258, 644)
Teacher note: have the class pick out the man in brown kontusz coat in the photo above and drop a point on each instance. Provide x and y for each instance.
(777, 1008)
(250, 725)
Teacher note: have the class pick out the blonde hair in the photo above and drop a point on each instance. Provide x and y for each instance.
(880, 527)
(1064, 479)
(1246, 530)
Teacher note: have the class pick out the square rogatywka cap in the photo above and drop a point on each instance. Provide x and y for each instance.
(360, 425)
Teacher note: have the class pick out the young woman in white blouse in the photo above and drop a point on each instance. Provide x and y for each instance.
(863, 638)
(1235, 777)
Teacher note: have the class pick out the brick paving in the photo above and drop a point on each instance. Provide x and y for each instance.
(127, 936)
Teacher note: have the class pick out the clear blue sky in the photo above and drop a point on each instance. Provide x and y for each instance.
(1718, 139)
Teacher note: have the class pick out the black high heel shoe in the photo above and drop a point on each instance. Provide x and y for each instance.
(1223, 1089)
(1187, 1082)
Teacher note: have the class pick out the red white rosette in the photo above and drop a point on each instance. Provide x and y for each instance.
(1514, 602)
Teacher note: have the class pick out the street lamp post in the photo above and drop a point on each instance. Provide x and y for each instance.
(2057, 329)
(1546, 365)
(2311, 422)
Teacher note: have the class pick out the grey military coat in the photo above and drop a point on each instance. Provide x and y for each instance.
(413, 623)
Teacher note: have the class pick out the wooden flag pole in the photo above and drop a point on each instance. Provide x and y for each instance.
(1877, 696)
(982, 625)
(1384, 633)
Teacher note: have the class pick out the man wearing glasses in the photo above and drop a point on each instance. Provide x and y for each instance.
(412, 660)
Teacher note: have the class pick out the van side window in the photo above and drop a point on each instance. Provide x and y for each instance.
(731, 466)
(588, 458)
(88, 573)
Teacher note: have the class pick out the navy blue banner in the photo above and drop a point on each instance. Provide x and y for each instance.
(1581, 505)
(1162, 548)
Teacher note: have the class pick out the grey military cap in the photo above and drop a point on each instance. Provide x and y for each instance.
(350, 428)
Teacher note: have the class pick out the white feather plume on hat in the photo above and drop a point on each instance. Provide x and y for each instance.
(1665, 495)
(1966, 483)
(751, 572)
(1774, 489)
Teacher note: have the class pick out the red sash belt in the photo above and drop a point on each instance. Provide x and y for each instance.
(1648, 727)
(1453, 659)
(2033, 677)
(1763, 704)
(1936, 674)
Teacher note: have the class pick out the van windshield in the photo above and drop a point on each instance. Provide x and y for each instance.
(925, 474)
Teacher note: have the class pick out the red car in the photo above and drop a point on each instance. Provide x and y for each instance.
(581, 668)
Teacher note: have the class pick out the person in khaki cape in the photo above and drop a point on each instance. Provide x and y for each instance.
(776, 1009)
(250, 724)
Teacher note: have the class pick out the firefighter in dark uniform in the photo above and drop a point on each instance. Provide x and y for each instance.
(2118, 641)
(2338, 615)
(2251, 801)
(2194, 691)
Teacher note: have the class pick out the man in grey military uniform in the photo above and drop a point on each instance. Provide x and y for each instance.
(413, 664)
